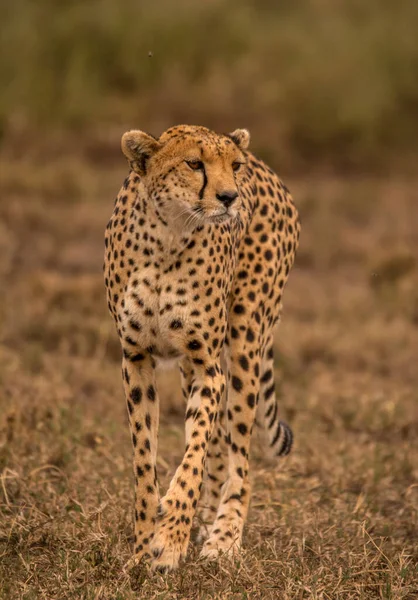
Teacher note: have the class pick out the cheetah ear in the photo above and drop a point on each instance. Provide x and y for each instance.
(241, 137)
(138, 147)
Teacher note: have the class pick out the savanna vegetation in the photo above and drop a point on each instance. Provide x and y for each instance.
(330, 81)
(329, 92)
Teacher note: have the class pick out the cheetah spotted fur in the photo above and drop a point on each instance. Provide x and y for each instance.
(197, 254)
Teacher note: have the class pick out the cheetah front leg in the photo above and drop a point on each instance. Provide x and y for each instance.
(178, 506)
(143, 410)
(243, 389)
(215, 475)
(215, 464)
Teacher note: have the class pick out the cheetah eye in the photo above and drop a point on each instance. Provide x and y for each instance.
(236, 166)
(196, 165)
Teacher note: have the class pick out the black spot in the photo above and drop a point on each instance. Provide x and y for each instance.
(242, 428)
(250, 335)
(135, 325)
(266, 376)
(136, 395)
(148, 420)
(239, 309)
(243, 361)
(194, 345)
(237, 383)
(269, 392)
(176, 324)
(251, 400)
(234, 497)
(151, 393)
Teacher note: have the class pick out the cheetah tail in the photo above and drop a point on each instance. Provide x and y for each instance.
(279, 437)
(276, 434)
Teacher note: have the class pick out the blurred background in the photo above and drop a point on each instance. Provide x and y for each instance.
(329, 92)
(319, 82)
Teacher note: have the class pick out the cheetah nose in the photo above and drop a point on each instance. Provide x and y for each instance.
(227, 197)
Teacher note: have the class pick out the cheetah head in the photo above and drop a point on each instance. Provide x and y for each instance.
(192, 174)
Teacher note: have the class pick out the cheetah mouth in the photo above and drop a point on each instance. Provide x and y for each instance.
(220, 217)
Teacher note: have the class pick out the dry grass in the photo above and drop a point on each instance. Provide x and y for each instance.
(336, 521)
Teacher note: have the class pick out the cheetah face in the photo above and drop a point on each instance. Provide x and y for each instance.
(192, 174)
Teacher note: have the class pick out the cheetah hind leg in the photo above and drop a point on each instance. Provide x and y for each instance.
(278, 436)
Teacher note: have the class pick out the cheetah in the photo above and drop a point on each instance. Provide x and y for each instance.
(197, 254)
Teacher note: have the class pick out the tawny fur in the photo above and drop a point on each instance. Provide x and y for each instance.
(198, 252)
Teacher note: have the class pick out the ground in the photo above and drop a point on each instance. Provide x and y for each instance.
(335, 520)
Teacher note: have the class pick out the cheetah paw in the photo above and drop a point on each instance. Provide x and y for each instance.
(223, 545)
(166, 551)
